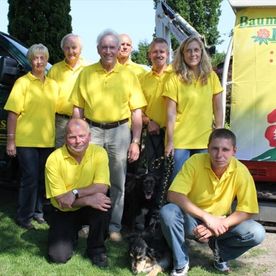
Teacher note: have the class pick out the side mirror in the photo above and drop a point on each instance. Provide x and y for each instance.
(9, 71)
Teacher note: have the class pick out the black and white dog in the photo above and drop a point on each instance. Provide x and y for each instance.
(149, 253)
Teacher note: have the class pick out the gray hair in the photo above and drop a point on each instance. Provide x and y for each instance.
(37, 48)
(108, 32)
(63, 40)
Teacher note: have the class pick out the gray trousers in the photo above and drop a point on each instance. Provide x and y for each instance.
(60, 130)
(116, 142)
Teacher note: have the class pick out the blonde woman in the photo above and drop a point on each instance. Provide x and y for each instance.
(194, 102)
(31, 133)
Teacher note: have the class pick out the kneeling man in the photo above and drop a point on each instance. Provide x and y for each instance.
(201, 198)
(77, 181)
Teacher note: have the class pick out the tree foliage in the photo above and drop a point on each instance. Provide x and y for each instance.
(141, 56)
(40, 21)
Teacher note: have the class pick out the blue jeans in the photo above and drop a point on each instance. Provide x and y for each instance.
(32, 186)
(116, 142)
(177, 226)
(180, 156)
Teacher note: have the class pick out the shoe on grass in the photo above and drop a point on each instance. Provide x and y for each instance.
(181, 271)
(26, 225)
(100, 260)
(218, 263)
(39, 220)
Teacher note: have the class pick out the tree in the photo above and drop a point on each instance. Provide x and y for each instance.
(141, 56)
(40, 21)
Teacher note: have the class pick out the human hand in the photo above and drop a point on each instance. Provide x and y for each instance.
(217, 225)
(133, 152)
(66, 200)
(99, 201)
(11, 148)
(202, 233)
(153, 128)
(169, 149)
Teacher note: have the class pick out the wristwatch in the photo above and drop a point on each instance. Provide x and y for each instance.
(135, 141)
(75, 192)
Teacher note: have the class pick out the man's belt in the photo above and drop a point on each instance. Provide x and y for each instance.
(107, 125)
(63, 116)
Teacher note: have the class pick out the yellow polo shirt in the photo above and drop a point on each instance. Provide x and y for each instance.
(63, 173)
(107, 96)
(135, 68)
(35, 103)
(152, 86)
(199, 183)
(194, 110)
(66, 77)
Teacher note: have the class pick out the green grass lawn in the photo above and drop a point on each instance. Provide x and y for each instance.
(24, 252)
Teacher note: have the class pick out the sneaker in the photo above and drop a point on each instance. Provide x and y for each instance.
(181, 271)
(115, 236)
(39, 220)
(218, 263)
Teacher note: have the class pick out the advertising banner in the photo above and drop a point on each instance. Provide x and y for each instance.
(253, 98)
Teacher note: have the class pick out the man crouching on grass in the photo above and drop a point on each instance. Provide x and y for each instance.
(201, 197)
(77, 180)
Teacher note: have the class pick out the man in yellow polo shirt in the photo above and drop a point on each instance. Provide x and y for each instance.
(124, 56)
(77, 181)
(107, 94)
(201, 197)
(154, 117)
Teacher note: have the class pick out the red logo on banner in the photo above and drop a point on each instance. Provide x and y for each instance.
(270, 133)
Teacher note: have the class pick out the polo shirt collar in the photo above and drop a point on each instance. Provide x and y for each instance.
(34, 78)
(116, 68)
(166, 71)
(81, 60)
(66, 154)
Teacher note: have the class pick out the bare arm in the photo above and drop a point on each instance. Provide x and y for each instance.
(68, 200)
(218, 111)
(78, 112)
(136, 125)
(152, 126)
(237, 217)
(11, 132)
(171, 116)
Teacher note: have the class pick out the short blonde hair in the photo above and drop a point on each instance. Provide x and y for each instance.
(37, 48)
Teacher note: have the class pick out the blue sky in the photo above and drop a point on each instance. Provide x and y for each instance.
(135, 17)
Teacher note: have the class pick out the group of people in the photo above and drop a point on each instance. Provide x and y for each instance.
(75, 129)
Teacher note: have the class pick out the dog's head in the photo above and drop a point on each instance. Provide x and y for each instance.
(149, 183)
(142, 257)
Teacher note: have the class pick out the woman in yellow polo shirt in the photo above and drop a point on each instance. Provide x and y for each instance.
(31, 133)
(194, 103)
(65, 73)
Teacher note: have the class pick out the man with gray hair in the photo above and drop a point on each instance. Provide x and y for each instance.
(109, 96)
(65, 73)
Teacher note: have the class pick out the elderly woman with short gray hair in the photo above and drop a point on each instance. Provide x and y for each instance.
(31, 110)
